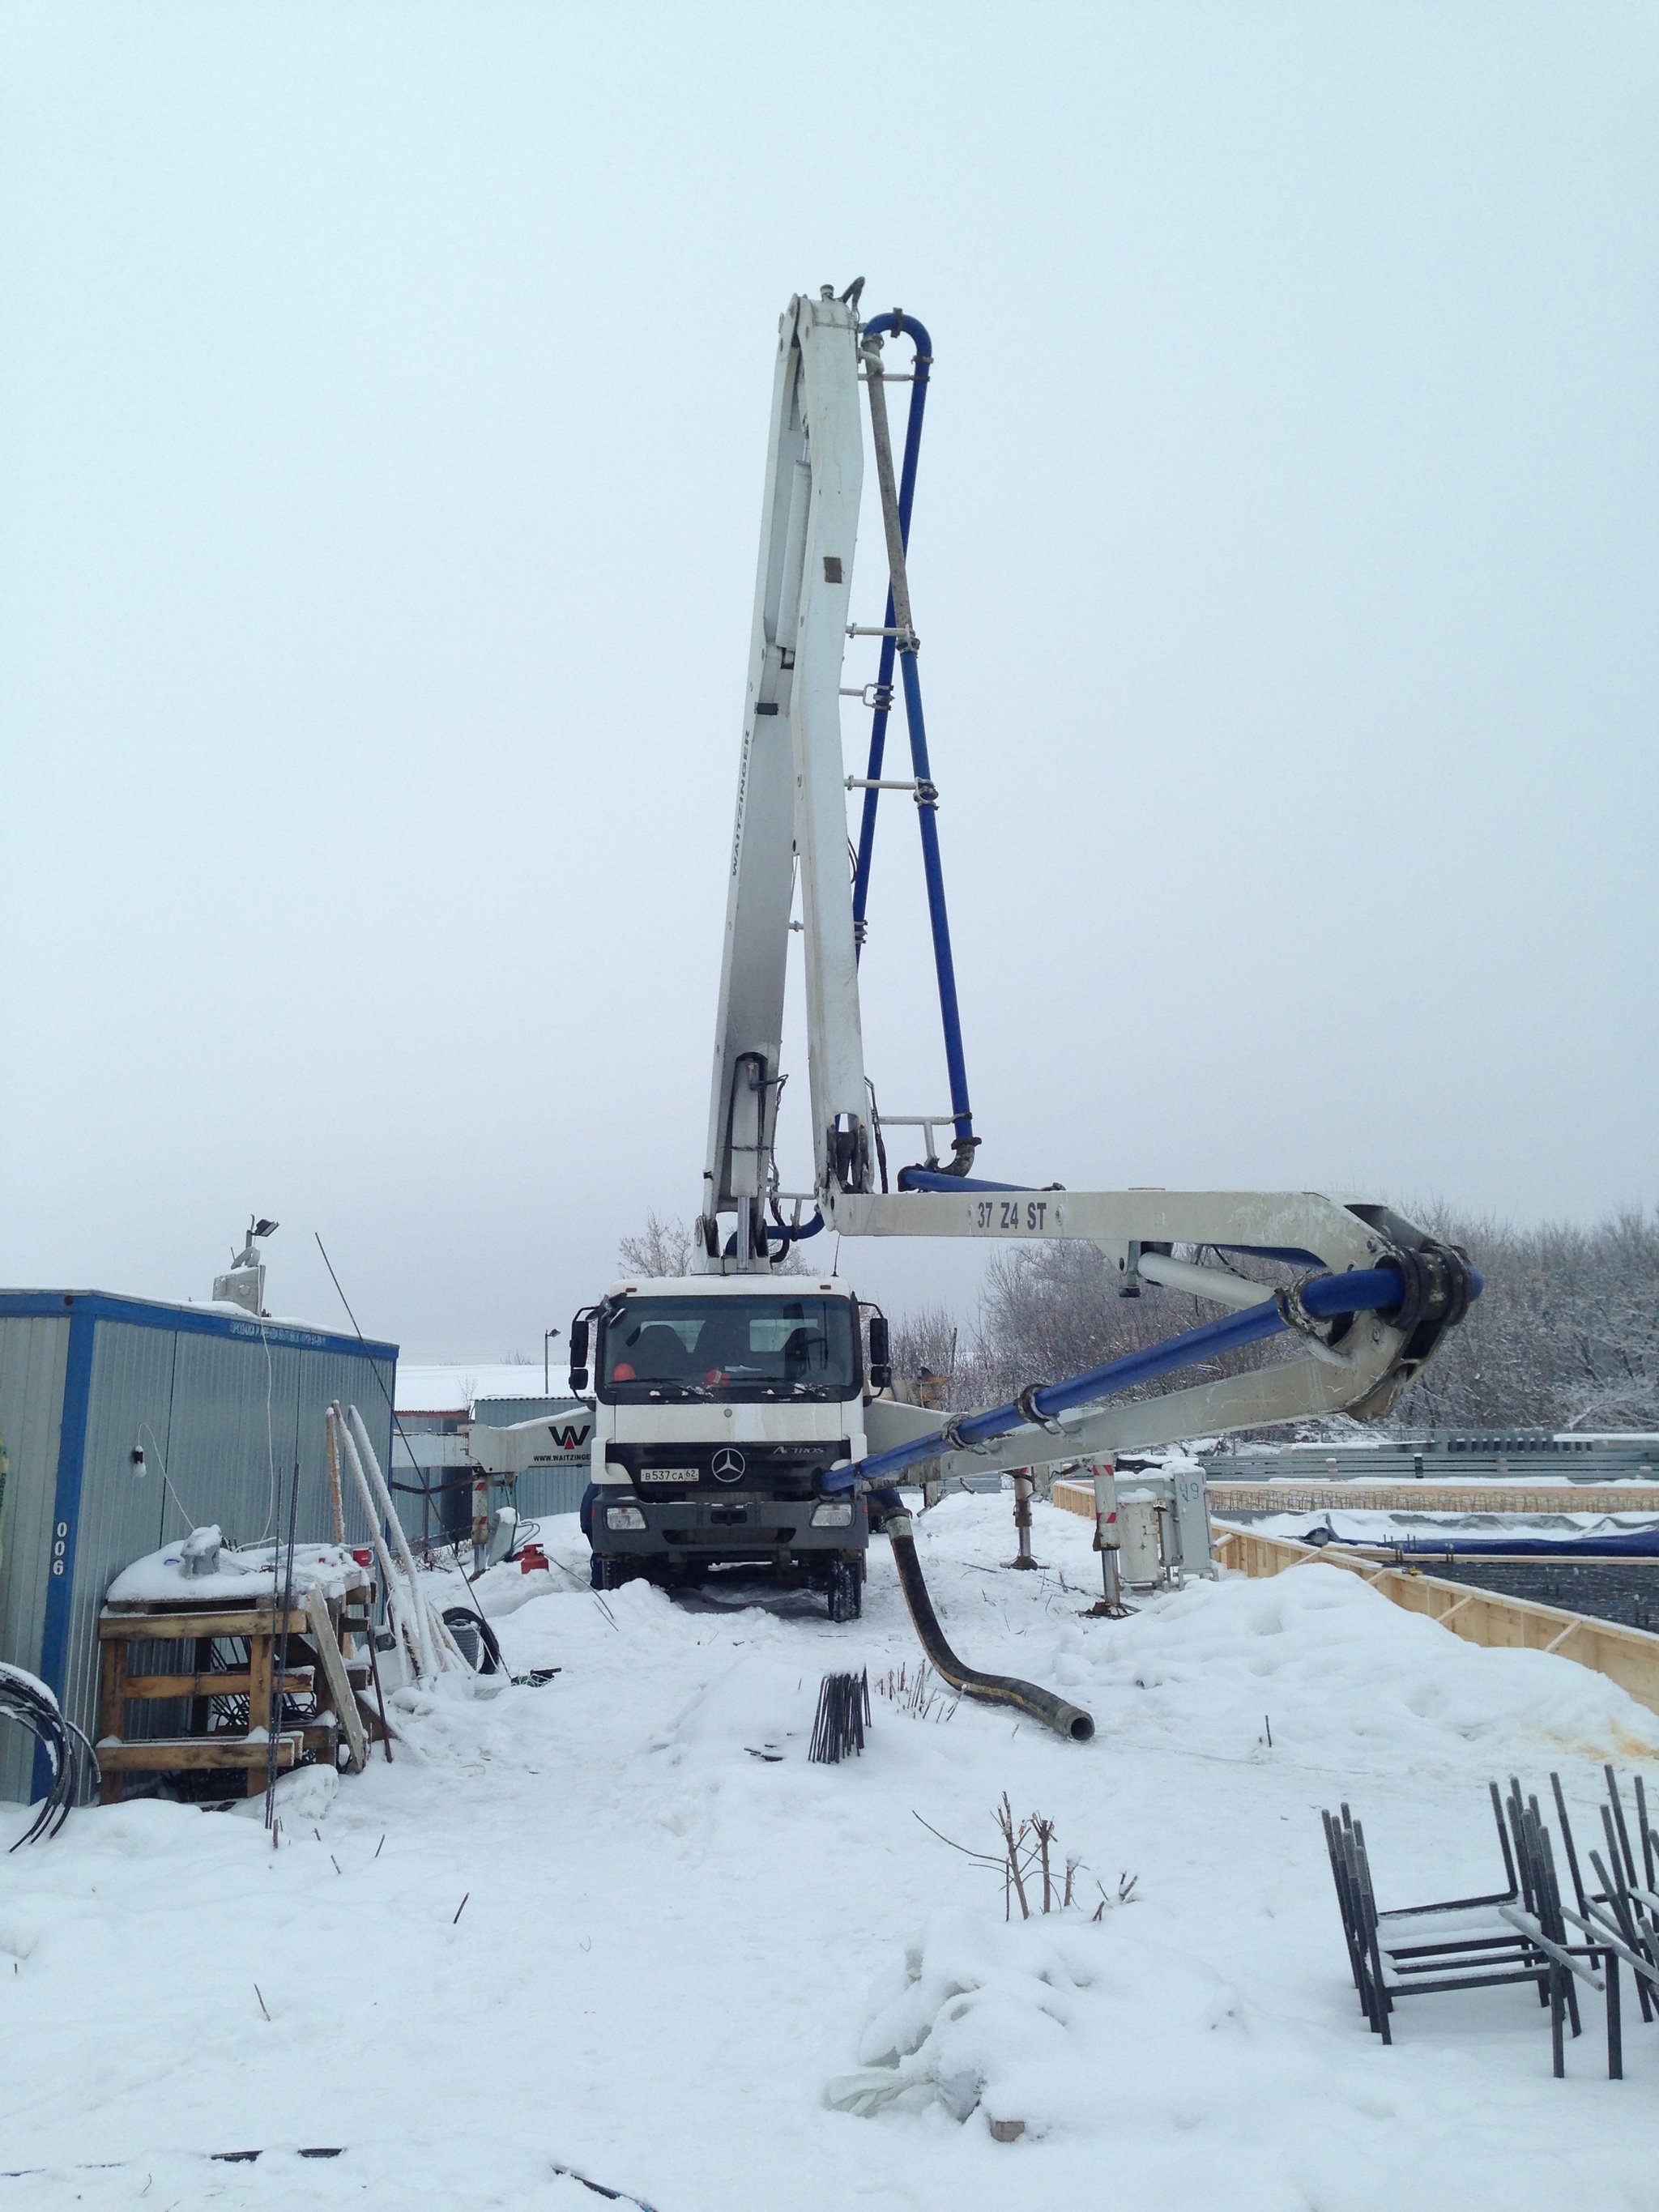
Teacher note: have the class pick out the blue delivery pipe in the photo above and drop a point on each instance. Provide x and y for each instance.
(956, 1065)
(1416, 1282)
(1361, 1290)
(962, 1111)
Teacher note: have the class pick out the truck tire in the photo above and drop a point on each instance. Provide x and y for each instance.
(609, 1574)
(845, 1590)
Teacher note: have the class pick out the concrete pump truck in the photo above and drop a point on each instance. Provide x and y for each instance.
(742, 1415)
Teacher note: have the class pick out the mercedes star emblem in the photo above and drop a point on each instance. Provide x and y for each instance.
(727, 1465)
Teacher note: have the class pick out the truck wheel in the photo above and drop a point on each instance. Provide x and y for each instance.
(609, 1574)
(845, 1590)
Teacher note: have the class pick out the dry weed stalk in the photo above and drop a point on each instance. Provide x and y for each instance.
(919, 1694)
(1015, 1858)
(1028, 1857)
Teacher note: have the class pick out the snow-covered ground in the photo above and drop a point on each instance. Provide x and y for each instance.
(677, 1933)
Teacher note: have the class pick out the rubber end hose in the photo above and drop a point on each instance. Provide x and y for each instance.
(990, 1689)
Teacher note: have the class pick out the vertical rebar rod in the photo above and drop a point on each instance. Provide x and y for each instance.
(279, 1656)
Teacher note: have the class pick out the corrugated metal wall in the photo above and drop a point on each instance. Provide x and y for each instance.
(122, 1511)
(34, 1350)
(542, 1491)
(220, 1418)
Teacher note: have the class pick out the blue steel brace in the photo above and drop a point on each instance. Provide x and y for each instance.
(927, 808)
(56, 1627)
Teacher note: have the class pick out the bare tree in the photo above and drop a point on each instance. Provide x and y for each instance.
(664, 1248)
(1052, 1310)
(1565, 1335)
(926, 1344)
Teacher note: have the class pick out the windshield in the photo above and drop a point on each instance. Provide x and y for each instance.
(730, 1347)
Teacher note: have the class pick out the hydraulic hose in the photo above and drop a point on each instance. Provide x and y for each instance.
(991, 1689)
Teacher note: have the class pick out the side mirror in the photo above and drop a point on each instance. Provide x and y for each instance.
(578, 1353)
(881, 1357)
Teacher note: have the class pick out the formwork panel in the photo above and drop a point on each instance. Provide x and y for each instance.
(34, 1353)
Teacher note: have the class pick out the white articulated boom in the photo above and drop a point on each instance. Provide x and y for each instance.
(792, 808)
(739, 1420)
(792, 797)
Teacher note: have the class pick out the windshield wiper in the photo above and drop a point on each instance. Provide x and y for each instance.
(674, 1390)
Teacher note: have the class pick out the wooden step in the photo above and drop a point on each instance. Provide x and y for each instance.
(141, 1627)
(298, 1681)
(164, 1754)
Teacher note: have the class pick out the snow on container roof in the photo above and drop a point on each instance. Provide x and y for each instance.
(211, 1318)
(456, 1386)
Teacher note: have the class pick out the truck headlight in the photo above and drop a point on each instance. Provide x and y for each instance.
(831, 1515)
(624, 1516)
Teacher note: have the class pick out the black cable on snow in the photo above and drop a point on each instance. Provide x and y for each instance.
(26, 1699)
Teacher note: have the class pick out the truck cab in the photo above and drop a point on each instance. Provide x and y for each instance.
(719, 1400)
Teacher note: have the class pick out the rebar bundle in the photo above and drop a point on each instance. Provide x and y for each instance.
(843, 1710)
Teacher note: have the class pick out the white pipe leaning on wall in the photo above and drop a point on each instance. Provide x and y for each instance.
(402, 1596)
(444, 1653)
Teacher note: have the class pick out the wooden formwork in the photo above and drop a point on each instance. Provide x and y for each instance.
(1362, 1497)
(1629, 1656)
(1395, 1498)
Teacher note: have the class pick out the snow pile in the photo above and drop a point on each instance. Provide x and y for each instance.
(203, 1567)
(1380, 1527)
(982, 2013)
(621, 1923)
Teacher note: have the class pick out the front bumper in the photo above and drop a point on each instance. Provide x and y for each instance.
(708, 1530)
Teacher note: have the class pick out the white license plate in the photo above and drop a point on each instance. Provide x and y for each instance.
(668, 1473)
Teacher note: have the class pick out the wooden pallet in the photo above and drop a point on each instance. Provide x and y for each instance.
(322, 1635)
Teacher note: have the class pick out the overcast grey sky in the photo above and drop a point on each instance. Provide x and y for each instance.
(385, 390)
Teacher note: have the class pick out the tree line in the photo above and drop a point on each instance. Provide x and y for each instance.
(1564, 1336)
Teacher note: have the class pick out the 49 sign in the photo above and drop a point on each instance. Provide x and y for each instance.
(1011, 1213)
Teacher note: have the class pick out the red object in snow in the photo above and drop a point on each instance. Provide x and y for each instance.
(532, 1557)
(365, 1557)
